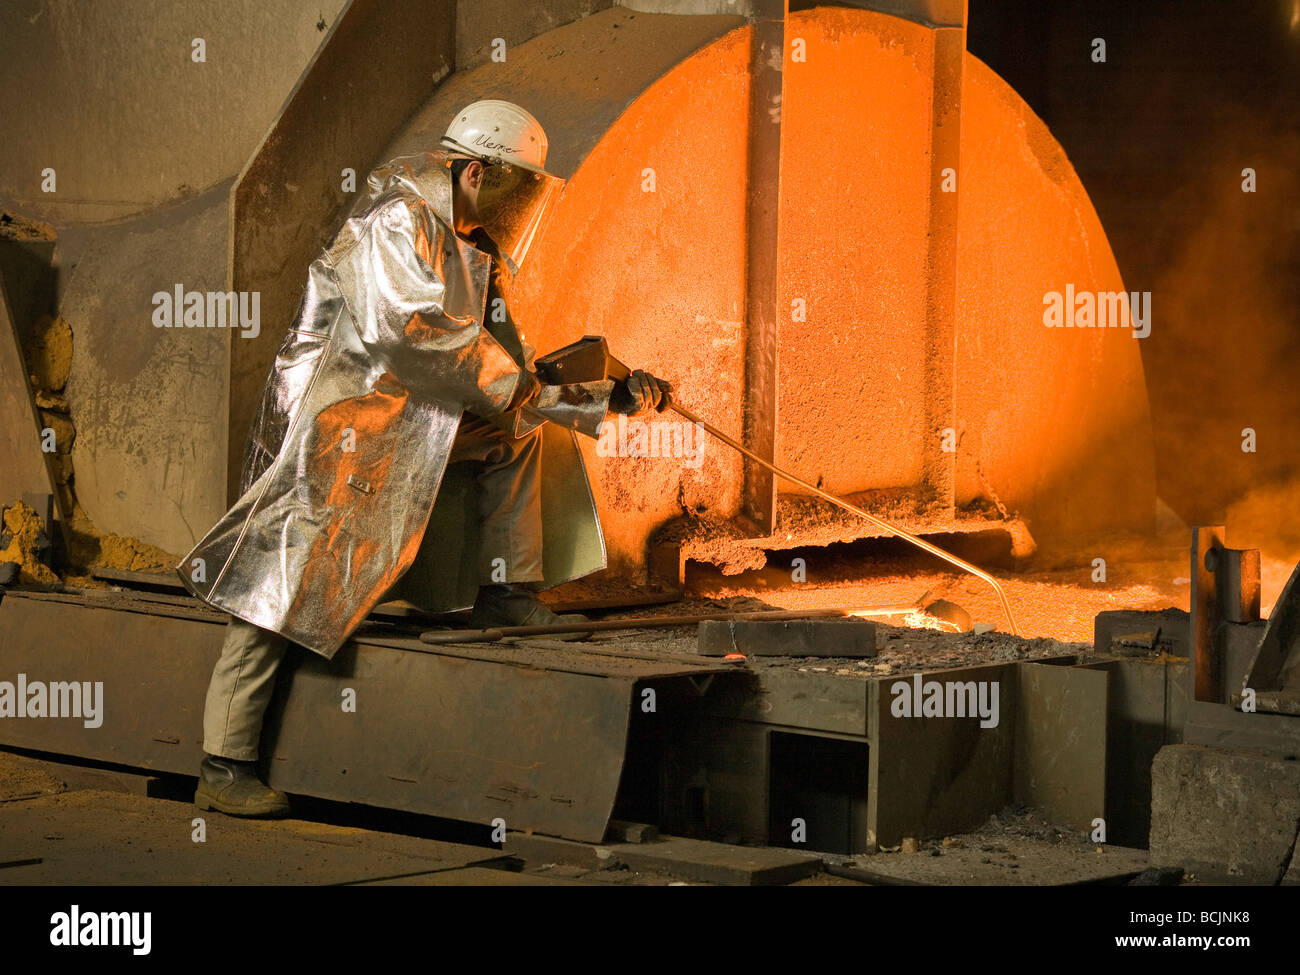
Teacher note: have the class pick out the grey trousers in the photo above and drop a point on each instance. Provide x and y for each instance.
(508, 473)
(508, 476)
(240, 689)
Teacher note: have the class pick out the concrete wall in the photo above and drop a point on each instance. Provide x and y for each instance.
(149, 404)
(480, 22)
(106, 94)
(145, 144)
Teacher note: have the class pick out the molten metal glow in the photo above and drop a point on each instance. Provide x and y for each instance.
(648, 248)
(865, 612)
(924, 621)
(911, 617)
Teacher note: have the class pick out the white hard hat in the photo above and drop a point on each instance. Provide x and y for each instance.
(517, 194)
(498, 130)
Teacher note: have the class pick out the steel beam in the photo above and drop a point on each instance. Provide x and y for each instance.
(939, 775)
(930, 13)
(762, 221)
(467, 733)
(1061, 728)
(1207, 682)
(1238, 574)
(1276, 669)
(938, 464)
(24, 467)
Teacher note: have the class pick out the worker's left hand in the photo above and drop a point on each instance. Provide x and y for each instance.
(640, 393)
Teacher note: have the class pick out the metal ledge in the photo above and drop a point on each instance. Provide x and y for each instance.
(535, 737)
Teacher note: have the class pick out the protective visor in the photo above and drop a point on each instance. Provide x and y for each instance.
(514, 204)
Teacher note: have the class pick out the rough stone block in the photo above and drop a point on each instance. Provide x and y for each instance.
(1117, 631)
(1224, 816)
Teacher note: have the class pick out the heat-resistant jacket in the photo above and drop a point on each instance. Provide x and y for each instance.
(347, 454)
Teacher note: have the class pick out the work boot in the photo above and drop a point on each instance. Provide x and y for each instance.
(234, 788)
(514, 604)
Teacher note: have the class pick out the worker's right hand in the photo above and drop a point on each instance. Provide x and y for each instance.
(640, 393)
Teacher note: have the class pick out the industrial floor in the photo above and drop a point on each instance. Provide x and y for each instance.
(65, 824)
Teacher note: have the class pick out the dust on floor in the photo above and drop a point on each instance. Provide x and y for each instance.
(1018, 846)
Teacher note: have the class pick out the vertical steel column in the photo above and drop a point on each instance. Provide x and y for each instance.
(1207, 664)
(761, 221)
(24, 468)
(939, 466)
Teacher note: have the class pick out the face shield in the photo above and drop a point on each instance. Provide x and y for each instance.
(514, 204)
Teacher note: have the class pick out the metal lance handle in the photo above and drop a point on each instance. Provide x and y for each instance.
(616, 367)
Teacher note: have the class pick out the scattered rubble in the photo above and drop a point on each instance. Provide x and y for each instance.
(1018, 845)
(14, 226)
(49, 355)
(26, 544)
(121, 552)
(48, 352)
(901, 649)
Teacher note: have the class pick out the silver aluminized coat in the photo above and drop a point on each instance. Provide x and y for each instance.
(349, 447)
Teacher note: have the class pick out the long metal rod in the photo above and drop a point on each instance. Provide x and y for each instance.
(878, 522)
(650, 623)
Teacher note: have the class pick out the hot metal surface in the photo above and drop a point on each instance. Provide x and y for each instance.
(347, 453)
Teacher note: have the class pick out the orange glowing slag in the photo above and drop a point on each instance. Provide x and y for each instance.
(911, 616)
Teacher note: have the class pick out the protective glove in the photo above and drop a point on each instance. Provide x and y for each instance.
(527, 391)
(640, 393)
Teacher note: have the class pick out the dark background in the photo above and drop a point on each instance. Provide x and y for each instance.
(1191, 93)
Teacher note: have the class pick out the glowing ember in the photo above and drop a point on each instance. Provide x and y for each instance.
(924, 621)
(868, 612)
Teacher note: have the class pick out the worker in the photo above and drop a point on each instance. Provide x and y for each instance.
(403, 371)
